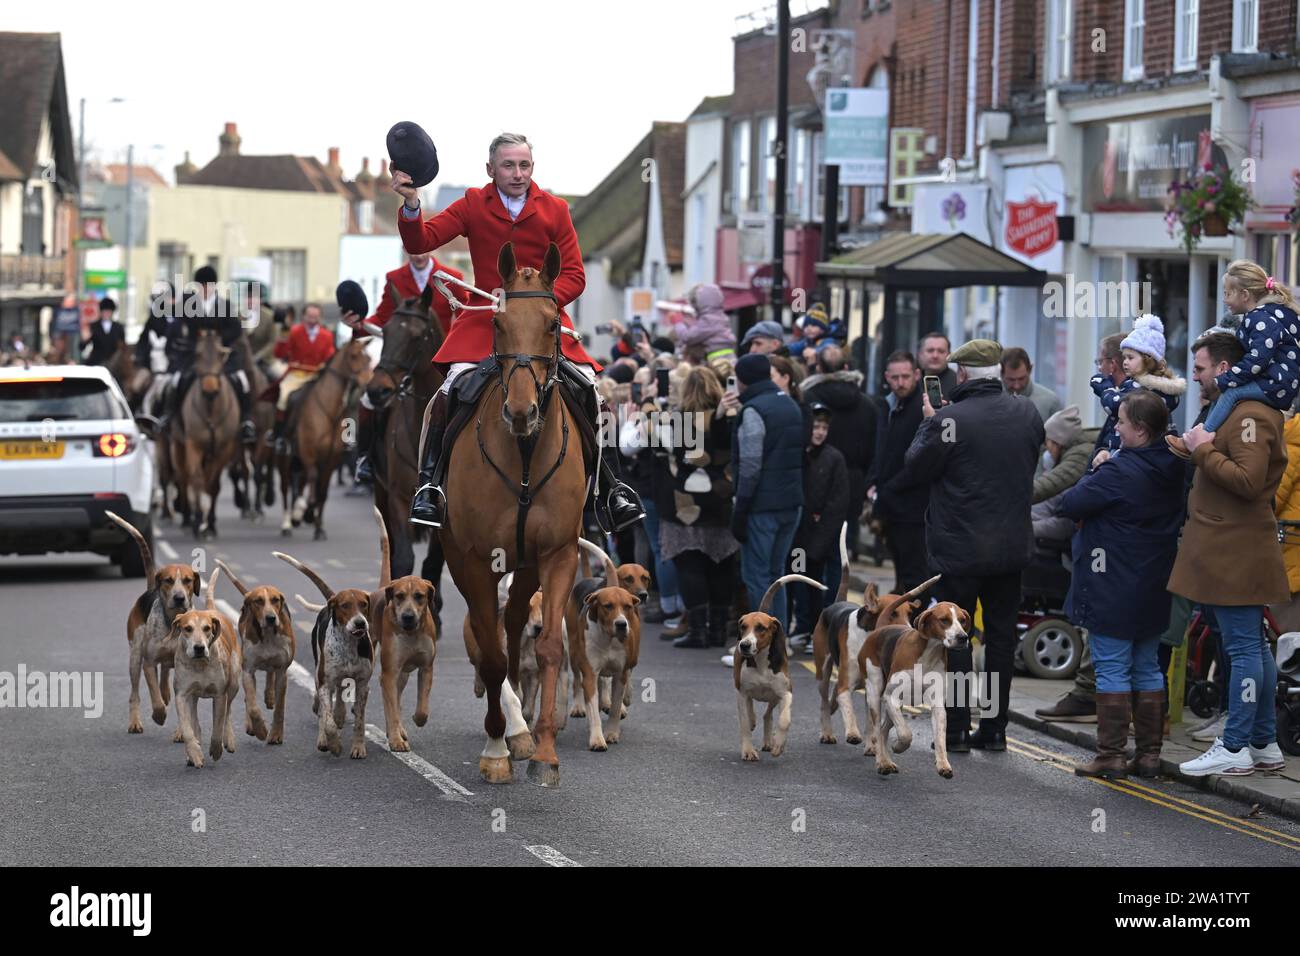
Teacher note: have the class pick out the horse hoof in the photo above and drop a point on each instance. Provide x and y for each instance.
(544, 774)
(286, 533)
(521, 745)
(495, 769)
(319, 535)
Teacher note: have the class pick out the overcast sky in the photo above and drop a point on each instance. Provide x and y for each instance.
(583, 79)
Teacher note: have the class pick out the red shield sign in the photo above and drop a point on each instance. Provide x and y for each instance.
(1031, 227)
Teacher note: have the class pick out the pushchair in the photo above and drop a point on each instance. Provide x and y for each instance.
(1288, 692)
(1050, 646)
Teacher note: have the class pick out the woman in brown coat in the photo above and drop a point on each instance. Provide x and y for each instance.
(1230, 560)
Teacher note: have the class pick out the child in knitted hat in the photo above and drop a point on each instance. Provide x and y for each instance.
(1269, 331)
(1144, 364)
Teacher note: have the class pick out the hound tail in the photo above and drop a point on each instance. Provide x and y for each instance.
(385, 561)
(212, 584)
(843, 593)
(142, 544)
(312, 576)
(239, 585)
(307, 605)
(779, 583)
(916, 591)
(611, 572)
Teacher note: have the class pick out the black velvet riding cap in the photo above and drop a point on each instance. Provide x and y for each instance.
(411, 150)
(351, 298)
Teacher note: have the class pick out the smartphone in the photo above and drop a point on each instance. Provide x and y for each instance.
(636, 392)
(731, 390)
(661, 382)
(604, 329)
(934, 391)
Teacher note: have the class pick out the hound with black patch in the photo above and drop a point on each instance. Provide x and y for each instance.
(344, 651)
(908, 664)
(149, 635)
(839, 635)
(267, 644)
(604, 641)
(762, 672)
(207, 666)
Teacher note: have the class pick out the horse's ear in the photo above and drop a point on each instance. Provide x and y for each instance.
(551, 265)
(426, 297)
(506, 263)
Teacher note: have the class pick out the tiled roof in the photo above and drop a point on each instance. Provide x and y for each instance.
(31, 89)
(712, 104)
(115, 173)
(669, 153)
(610, 219)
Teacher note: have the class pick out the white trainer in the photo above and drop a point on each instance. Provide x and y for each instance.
(1212, 730)
(1218, 759)
(1268, 758)
(1207, 722)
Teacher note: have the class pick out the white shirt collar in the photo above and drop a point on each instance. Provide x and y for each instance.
(210, 304)
(421, 275)
(513, 206)
(106, 324)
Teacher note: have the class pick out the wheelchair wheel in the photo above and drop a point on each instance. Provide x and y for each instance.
(1288, 729)
(1052, 649)
(1203, 697)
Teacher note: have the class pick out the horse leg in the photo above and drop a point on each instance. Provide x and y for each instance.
(320, 493)
(286, 490)
(480, 592)
(517, 736)
(557, 571)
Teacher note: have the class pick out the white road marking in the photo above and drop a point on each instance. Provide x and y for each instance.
(551, 856)
(166, 550)
(336, 563)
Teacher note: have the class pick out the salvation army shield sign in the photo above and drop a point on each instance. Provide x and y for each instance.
(1031, 227)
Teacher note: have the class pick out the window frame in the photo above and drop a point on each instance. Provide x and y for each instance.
(1186, 13)
(1135, 20)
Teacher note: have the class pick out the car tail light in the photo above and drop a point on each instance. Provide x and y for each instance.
(114, 445)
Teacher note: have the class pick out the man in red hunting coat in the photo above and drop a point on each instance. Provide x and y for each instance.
(307, 347)
(404, 282)
(510, 208)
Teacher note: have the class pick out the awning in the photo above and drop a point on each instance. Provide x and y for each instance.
(936, 261)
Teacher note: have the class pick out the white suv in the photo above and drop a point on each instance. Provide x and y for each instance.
(70, 450)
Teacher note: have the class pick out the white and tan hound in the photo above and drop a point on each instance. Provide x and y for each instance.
(207, 666)
(267, 644)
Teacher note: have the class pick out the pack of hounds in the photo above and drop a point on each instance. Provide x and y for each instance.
(186, 654)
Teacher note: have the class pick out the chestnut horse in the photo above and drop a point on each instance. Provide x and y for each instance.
(404, 381)
(516, 484)
(317, 429)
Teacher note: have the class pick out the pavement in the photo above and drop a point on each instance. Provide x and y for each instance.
(77, 790)
(1276, 792)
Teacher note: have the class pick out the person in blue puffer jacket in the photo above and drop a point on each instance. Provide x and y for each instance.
(1130, 510)
(1143, 356)
(1269, 331)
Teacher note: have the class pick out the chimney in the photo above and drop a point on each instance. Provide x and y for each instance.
(383, 169)
(185, 170)
(228, 143)
(365, 175)
(334, 160)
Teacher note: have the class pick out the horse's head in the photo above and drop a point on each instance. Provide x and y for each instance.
(526, 335)
(411, 338)
(355, 362)
(209, 361)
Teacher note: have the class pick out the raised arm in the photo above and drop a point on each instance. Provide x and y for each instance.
(425, 235)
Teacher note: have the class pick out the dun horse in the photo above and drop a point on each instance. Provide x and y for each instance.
(207, 438)
(515, 490)
(404, 381)
(317, 437)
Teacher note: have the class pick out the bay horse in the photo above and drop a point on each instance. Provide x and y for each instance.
(516, 484)
(404, 381)
(316, 430)
(207, 438)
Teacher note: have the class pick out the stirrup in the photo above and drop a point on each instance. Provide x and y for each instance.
(429, 486)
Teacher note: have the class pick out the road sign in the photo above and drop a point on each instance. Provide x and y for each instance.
(105, 279)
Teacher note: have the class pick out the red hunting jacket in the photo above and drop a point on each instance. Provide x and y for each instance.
(481, 218)
(302, 353)
(403, 281)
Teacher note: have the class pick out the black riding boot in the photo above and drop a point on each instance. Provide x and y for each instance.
(365, 472)
(429, 504)
(698, 633)
(176, 396)
(247, 430)
(719, 617)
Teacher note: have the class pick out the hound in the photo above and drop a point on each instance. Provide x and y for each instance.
(762, 672)
(909, 664)
(344, 651)
(402, 615)
(636, 579)
(604, 640)
(149, 631)
(266, 643)
(837, 639)
(207, 665)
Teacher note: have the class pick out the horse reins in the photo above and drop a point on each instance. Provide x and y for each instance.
(523, 492)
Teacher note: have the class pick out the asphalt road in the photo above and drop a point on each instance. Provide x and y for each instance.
(77, 790)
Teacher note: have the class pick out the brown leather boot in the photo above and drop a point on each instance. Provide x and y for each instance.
(1148, 724)
(1178, 447)
(1113, 711)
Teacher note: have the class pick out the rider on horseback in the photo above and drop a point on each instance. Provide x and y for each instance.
(307, 347)
(207, 311)
(404, 282)
(513, 209)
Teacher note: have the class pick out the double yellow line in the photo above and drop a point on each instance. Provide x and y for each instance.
(1143, 792)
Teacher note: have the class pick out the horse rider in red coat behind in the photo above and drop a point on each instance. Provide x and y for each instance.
(510, 208)
(307, 348)
(405, 282)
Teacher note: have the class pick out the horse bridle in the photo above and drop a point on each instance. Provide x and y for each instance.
(404, 383)
(525, 361)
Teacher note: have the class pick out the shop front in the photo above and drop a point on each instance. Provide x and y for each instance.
(1275, 148)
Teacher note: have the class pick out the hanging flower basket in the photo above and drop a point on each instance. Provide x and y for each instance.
(1207, 205)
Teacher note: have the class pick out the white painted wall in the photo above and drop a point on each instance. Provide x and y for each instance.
(703, 206)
